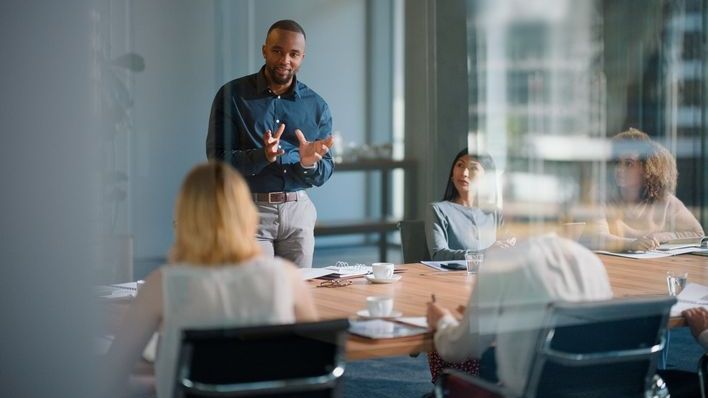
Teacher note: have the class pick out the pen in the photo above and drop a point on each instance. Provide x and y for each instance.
(432, 297)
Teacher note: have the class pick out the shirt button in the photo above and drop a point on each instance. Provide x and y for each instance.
(284, 171)
(277, 120)
(278, 97)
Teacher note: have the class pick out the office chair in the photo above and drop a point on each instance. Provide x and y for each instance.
(413, 242)
(296, 360)
(592, 349)
(703, 375)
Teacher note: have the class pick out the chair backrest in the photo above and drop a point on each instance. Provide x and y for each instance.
(296, 360)
(599, 349)
(456, 384)
(413, 242)
(703, 375)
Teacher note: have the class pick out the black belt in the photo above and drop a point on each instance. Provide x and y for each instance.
(275, 197)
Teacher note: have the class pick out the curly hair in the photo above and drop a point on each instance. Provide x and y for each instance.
(659, 173)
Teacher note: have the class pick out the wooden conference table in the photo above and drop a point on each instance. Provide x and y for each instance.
(628, 278)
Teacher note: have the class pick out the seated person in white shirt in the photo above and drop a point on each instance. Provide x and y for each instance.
(509, 299)
(216, 277)
(683, 384)
(466, 219)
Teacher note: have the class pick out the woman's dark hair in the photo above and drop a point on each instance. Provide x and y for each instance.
(483, 158)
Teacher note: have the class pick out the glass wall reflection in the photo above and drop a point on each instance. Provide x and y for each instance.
(550, 84)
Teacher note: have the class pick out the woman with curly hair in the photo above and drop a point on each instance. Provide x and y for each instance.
(643, 211)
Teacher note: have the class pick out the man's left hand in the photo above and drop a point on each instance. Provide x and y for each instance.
(312, 152)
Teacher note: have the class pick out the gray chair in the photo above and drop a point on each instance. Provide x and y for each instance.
(594, 349)
(413, 242)
(296, 360)
(703, 375)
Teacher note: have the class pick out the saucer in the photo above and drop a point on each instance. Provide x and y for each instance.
(365, 314)
(372, 279)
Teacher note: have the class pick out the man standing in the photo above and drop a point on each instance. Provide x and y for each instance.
(277, 132)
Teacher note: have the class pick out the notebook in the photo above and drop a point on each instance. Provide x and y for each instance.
(684, 243)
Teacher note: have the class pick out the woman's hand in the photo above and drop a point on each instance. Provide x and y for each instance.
(644, 243)
(505, 243)
(434, 314)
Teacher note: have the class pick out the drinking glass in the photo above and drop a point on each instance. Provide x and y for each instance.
(473, 260)
(675, 282)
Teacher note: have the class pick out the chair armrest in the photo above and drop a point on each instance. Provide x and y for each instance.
(703, 375)
(453, 383)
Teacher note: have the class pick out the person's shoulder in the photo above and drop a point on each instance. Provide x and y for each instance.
(240, 83)
(306, 92)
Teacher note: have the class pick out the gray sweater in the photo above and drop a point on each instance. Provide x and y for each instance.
(452, 229)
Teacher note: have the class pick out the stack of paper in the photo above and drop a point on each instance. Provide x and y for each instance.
(684, 243)
(693, 295)
(117, 291)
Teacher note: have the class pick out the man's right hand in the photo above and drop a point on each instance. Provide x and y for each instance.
(271, 143)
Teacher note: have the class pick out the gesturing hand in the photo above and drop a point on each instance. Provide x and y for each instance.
(272, 143)
(312, 152)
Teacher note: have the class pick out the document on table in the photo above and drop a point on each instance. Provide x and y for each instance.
(419, 321)
(314, 273)
(693, 295)
(382, 329)
(653, 253)
(438, 264)
(124, 291)
(683, 243)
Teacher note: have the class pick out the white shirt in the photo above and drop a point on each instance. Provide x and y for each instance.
(508, 302)
(257, 292)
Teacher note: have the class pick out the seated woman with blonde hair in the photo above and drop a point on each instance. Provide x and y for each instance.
(216, 278)
(642, 210)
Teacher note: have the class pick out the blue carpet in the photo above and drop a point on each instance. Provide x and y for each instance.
(387, 378)
(684, 351)
(410, 377)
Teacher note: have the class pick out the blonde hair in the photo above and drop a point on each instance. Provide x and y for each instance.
(659, 173)
(215, 218)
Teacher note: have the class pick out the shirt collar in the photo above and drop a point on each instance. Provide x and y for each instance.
(262, 85)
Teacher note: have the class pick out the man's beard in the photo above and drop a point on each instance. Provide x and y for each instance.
(277, 79)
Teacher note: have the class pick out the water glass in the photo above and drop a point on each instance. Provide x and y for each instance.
(675, 282)
(473, 260)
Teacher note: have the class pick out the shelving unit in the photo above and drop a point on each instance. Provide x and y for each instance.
(385, 223)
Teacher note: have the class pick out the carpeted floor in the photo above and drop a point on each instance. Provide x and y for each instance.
(409, 377)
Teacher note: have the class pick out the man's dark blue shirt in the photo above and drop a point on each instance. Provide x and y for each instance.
(244, 109)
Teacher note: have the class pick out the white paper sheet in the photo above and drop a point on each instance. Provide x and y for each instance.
(438, 264)
(654, 253)
(693, 295)
(313, 273)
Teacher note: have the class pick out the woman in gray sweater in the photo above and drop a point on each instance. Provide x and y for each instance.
(462, 221)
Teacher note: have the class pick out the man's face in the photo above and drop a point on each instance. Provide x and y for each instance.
(283, 52)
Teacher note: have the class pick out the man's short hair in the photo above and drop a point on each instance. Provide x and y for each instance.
(289, 25)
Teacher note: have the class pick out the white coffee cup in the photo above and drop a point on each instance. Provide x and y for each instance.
(379, 305)
(382, 270)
